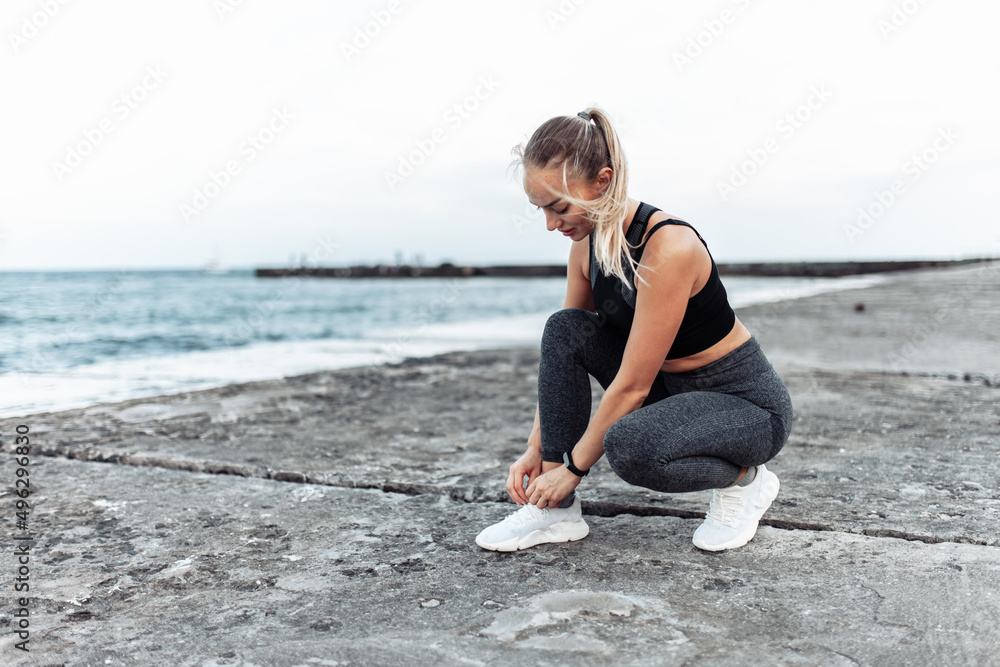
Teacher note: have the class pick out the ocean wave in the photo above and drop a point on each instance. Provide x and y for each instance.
(196, 351)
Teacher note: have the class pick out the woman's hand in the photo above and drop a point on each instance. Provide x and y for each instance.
(529, 464)
(548, 490)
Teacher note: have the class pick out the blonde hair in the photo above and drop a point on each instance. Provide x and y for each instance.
(584, 146)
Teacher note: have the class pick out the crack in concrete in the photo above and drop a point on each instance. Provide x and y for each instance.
(461, 494)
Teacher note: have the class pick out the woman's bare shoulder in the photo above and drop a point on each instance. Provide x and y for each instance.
(660, 216)
(673, 237)
(579, 256)
(676, 247)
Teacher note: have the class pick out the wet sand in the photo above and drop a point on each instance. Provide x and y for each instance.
(329, 518)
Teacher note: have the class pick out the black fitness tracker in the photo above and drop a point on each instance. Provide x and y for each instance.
(568, 460)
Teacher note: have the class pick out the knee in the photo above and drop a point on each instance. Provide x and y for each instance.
(782, 418)
(567, 326)
(781, 428)
(621, 452)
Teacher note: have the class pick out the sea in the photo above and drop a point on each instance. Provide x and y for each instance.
(75, 339)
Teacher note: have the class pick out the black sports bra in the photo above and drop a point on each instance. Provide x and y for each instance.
(708, 317)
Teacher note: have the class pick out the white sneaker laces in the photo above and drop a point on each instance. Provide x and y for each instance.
(726, 505)
(526, 514)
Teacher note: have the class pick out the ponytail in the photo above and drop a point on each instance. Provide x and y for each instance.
(582, 146)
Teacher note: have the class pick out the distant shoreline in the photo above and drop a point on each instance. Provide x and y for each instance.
(762, 269)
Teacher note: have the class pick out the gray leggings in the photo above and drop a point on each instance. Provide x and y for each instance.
(696, 430)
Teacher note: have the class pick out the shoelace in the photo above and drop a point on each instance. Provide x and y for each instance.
(525, 514)
(725, 506)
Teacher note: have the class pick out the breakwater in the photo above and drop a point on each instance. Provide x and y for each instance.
(768, 269)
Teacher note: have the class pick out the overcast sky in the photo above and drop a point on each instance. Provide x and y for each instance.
(168, 134)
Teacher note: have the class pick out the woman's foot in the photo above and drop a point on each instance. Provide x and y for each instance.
(529, 526)
(735, 511)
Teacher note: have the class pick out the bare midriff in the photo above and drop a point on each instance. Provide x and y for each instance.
(736, 337)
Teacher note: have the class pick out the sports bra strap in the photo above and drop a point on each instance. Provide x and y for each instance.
(672, 221)
(638, 226)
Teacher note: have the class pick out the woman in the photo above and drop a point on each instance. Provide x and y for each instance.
(690, 401)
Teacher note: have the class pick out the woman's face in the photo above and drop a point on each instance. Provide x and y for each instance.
(542, 186)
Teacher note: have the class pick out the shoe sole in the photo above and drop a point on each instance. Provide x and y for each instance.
(568, 531)
(770, 491)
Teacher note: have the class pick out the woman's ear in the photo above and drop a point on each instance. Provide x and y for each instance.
(604, 179)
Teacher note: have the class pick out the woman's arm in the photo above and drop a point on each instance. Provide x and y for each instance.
(530, 464)
(578, 295)
(578, 291)
(673, 257)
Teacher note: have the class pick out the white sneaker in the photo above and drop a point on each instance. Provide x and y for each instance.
(735, 511)
(529, 526)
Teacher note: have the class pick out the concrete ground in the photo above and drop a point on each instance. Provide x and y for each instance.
(328, 519)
